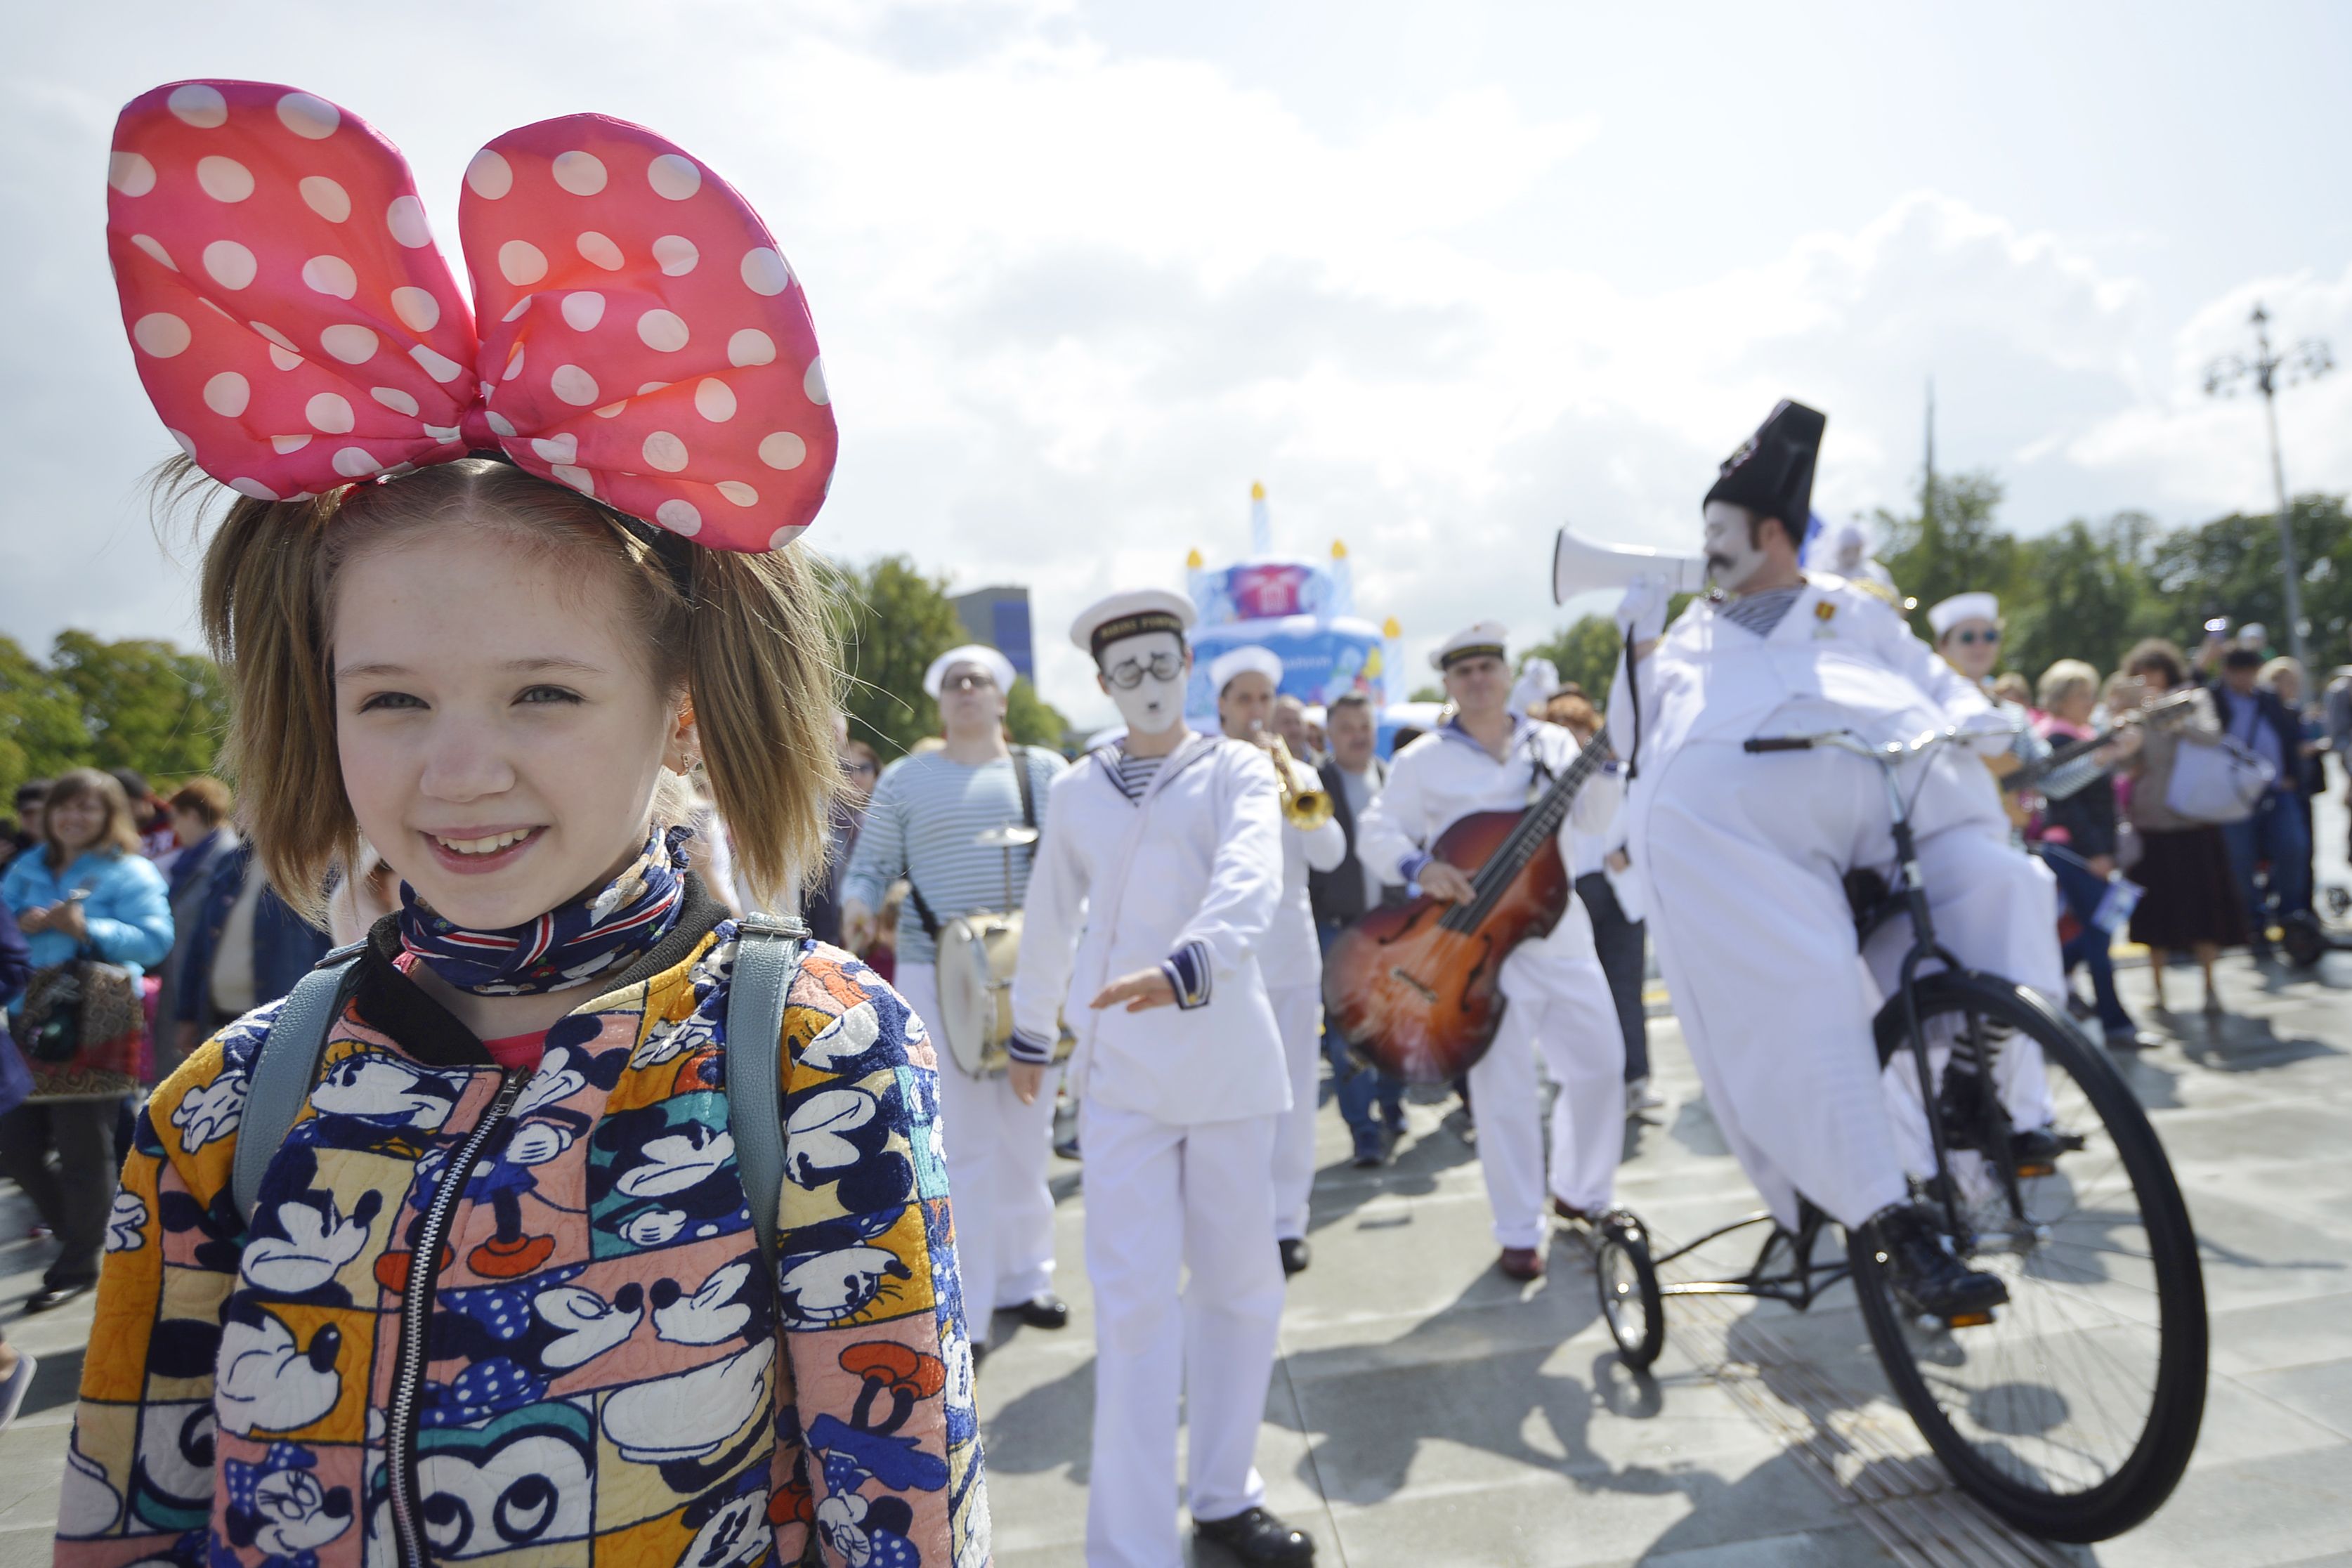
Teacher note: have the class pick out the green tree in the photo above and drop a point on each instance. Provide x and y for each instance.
(2231, 567)
(1584, 652)
(1952, 545)
(898, 620)
(1032, 721)
(2081, 593)
(42, 732)
(145, 704)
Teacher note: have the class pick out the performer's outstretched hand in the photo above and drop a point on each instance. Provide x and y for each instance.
(1025, 1078)
(1144, 988)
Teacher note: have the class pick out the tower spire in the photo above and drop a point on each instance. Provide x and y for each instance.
(1927, 490)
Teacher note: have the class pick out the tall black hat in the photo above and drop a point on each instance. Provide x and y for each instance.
(1772, 473)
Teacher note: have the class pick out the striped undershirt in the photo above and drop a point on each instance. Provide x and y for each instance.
(920, 825)
(1189, 968)
(1133, 774)
(1759, 613)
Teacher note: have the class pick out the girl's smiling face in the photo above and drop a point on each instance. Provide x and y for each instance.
(497, 718)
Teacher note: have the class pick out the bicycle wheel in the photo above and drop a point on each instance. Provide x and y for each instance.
(1628, 1282)
(2073, 1413)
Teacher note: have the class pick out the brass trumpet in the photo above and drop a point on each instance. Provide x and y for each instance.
(1305, 805)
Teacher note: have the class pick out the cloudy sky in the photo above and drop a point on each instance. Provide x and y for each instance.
(1442, 275)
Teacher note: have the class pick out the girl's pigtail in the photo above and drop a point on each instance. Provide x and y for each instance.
(764, 662)
(264, 618)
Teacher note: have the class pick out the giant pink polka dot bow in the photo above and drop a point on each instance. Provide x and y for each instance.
(644, 340)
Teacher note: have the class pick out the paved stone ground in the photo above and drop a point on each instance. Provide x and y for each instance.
(1427, 1411)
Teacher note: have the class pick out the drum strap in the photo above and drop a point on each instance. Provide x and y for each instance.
(923, 915)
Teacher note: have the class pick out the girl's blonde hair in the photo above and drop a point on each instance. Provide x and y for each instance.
(118, 834)
(750, 640)
(2062, 678)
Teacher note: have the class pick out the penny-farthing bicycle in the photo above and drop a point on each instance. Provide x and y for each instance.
(2070, 1411)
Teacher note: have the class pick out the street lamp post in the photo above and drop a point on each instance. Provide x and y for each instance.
(2307, 361)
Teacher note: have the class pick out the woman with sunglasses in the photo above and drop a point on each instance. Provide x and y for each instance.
(1968, 636)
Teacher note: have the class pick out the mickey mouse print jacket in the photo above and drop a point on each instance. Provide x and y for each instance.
(593, 1369)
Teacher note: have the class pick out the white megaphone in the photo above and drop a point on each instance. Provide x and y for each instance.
(1581, 566)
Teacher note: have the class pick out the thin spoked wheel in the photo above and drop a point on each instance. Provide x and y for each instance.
(2072, 1415)
(1628, 1283)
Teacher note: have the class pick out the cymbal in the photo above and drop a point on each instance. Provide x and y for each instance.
(1012, 835)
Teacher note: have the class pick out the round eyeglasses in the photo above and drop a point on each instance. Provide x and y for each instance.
(1127, 674)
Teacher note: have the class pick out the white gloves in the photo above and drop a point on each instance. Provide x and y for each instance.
(1990, 734)
(1642, 612)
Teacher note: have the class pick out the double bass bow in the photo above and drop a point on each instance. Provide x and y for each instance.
(1414, 988)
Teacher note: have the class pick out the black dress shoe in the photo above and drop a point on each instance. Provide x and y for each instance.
(1045, 1310)
(1924, 1274)
(52, 1295)
(1296, 1255)
(1255, 1536)
(2035, 1150)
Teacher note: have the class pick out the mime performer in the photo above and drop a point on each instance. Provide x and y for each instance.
(1246, 681)
(1742, 855)
(1158, 875)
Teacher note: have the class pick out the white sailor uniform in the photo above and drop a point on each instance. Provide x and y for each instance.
(1558, 995)
(1741, 859)
(1178, 1112)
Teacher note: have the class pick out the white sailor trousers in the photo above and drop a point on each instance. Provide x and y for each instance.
(1747, 856)
(1298, 1014)
(1559, 1008)
(1188, 1299)
(999, 1153)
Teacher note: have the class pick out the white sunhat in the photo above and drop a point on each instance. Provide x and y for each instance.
(1241, 662)
(1975, 606)
(999, 668)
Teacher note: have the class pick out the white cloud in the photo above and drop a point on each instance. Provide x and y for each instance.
(1075, 300)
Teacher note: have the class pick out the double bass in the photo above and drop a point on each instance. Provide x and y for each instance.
(1414, 988)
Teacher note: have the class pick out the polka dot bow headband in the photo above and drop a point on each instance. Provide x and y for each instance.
(641, 338)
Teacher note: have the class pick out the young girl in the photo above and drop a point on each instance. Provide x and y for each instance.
(86, 890)
(500, 1298)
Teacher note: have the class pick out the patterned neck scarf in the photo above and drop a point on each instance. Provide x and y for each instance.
(570, 944)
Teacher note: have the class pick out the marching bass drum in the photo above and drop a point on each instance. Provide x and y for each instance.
(976, 957)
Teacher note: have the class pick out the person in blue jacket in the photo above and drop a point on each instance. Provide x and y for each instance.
(16, 1368)
(245, 948)
(85, 890)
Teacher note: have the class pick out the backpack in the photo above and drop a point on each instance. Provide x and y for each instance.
(768, 952)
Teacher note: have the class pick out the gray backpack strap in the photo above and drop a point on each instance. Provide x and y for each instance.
(284, 1065)
(767, 957)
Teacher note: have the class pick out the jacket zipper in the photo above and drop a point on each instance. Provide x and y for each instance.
(415, 1316)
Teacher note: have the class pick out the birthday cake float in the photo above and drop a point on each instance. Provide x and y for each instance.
(1301, 610)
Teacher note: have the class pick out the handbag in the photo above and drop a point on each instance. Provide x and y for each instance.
(83, 1029)
(2222, 782)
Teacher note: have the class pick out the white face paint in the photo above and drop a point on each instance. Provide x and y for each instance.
(1732, 556)
(1145, 676)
